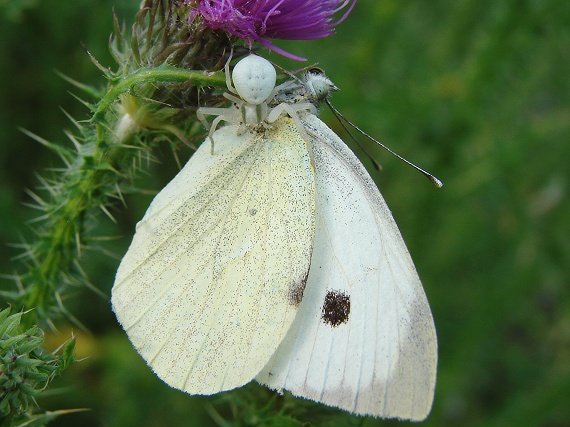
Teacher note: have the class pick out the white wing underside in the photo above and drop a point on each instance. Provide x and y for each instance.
(219, 259)
(382, 361)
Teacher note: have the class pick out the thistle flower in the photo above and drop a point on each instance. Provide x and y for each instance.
(263, 20)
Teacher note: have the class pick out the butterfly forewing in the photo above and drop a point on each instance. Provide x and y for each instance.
(217, 267)
(363, 339)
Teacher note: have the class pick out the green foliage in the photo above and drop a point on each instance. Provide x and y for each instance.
(26, 369)
(477, 92)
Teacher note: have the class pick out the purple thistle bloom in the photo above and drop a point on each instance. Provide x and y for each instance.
(263, 20)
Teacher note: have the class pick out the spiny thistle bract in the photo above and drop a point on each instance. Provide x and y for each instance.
(25, 367)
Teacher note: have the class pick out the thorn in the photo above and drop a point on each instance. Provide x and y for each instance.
(41, 202)
(104, 70)
(104, 209)
(67, 314)
(120, 195)
(39, 218)
(76, 123)
(91, 107)
(109, 253)
(90, 90)
(45, 185)
(78, 244)
(117, 30)
(87, 283)
(135, 45)
(61, 151)
(74, 140)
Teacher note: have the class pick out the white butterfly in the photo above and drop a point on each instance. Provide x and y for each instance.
(275, 258)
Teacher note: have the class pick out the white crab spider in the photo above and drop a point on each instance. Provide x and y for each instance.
(254, 78)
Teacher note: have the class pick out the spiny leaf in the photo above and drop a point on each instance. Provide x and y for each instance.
(63, 153)
(90, 90)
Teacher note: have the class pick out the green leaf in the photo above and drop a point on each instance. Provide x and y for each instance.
(9, 324)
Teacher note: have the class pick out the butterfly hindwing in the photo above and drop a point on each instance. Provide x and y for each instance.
(363, 339)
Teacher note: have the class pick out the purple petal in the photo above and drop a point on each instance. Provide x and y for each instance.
(263, 20)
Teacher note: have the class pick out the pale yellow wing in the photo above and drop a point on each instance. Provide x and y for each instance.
(216, 270)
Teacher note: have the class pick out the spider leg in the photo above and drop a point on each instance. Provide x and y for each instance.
(234, 99)
(230, 115)
(292, 111)
(215, 124)
(202, 112)
(228, 74)
(283, 86)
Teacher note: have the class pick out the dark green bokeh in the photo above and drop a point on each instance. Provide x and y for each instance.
(475, 91)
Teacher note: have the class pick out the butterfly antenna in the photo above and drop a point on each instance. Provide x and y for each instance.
(339, 117)
(435, 181)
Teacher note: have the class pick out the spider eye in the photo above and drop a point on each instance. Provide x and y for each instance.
(254, 78)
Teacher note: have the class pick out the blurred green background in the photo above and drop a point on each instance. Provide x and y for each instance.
(477, 92)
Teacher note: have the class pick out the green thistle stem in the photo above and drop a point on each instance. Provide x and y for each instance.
(163, 74)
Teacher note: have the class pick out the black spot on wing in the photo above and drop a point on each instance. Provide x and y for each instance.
(336, 308)
(296, 291)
